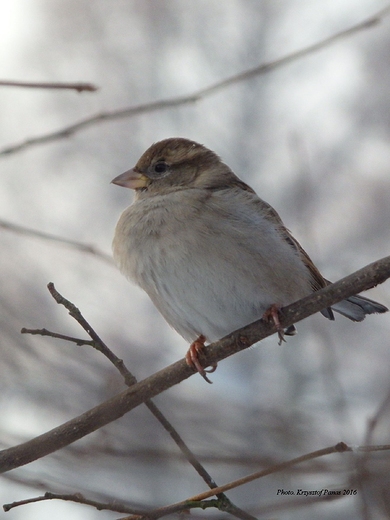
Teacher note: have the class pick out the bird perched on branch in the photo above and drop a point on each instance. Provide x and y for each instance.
(209, 252)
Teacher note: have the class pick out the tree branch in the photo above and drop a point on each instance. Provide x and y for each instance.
(78, 498)
(117, 406)
(199, 94)
(80, 87)
(80, 246)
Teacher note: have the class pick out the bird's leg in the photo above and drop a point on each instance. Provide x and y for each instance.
(192, 358)
(272, 314)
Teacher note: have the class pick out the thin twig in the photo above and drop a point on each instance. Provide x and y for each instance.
(80, 246)
(80, 87)
(117, 406)
(341, 447)
(199, 94)
(44, 332)
(97, 342)
(79, 499)
(130, 380)
(99, 118)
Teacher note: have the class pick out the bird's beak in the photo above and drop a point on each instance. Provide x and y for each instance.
(131, 179)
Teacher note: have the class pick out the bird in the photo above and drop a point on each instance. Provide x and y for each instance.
(210, 253)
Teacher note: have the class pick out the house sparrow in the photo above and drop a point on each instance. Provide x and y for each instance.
(209, 252)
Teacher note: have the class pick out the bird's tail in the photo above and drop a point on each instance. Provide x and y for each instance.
(355, 308)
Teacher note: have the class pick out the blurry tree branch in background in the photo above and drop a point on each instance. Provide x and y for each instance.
(200, 94)
(198, 501)
(80, 246)
(79, 87)
(363, 466)
(139, 393)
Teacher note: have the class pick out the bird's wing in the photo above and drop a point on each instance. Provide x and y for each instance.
(317, 281)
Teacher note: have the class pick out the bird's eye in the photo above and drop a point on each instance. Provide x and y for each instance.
(160, 167)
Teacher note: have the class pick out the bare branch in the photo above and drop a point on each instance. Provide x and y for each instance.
(264, 68)
(341, 447)
(117, 406)
(96, 342)
(99, 118)
(80, 87)
(130, 380)
(289, 58)
(80, 246)
(77, 498)
(44, 332)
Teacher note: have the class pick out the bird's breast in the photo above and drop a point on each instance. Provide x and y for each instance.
(208, 270)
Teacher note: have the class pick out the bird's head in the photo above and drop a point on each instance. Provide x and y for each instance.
(175, 164)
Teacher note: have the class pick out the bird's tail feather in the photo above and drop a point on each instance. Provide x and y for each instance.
(357, 307)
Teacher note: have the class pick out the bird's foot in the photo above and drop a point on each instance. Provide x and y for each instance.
(192, 358)
(272, 314)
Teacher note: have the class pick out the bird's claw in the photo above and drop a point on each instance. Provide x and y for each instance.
(272, 314)
(192, 358)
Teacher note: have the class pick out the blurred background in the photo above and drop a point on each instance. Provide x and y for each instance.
(312, 138)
